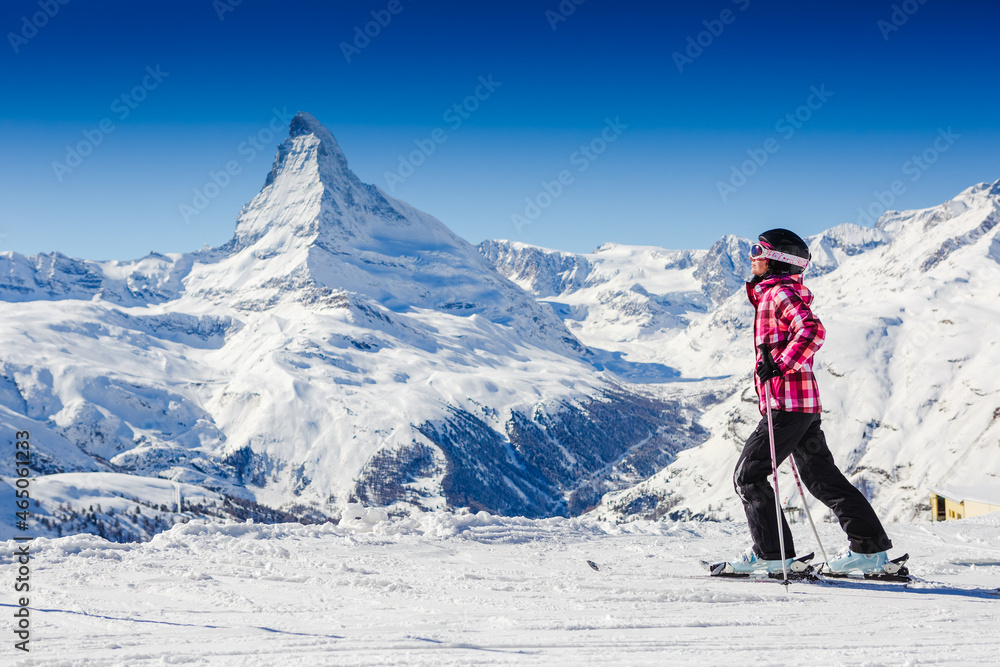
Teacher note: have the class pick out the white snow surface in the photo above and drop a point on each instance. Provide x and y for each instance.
(474, 589)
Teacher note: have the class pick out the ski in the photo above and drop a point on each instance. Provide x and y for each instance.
(800, 570)
(895, 570)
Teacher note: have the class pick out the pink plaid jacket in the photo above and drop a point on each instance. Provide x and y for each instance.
(785, 323)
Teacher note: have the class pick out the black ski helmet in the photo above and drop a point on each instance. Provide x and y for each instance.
(789, 243)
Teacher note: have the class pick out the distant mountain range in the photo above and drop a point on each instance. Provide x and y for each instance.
(345, 347)
(910, 399)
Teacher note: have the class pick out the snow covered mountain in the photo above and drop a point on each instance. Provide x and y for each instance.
(910, 400)
(627, 300)
(342, 346)
(345, 347)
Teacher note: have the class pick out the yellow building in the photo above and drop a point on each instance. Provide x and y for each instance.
(962, 502)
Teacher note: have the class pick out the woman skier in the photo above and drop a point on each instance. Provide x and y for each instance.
(787, 335)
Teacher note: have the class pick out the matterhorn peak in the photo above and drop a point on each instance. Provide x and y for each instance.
(311, 145)
(304, 124)
(316, 225)
(309, 184)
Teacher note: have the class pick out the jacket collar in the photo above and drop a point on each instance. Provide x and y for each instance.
(757, 287)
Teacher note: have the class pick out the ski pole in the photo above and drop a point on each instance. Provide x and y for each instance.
(774, 473)
(798, 482)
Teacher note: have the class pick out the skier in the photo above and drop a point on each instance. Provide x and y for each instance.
(790, 335)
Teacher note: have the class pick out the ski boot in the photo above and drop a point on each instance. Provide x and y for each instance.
(848, 562)
(750, 564)
(869, 566)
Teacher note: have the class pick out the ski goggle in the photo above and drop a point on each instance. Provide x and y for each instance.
(760, 251)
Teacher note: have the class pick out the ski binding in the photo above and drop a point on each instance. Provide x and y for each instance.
(894, 570)
(799, 570)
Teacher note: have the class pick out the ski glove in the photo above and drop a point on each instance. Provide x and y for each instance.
(766, 368)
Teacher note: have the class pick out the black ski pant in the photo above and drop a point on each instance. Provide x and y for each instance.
(799, 434)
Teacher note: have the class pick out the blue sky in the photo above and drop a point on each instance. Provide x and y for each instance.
(805, 112)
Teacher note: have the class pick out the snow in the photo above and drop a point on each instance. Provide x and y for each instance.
(474, 589)
(988, 494)
(309, 350)
(334, 323)
(87, 488)
(620, 298)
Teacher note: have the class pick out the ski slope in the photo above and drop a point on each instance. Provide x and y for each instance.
(474, 589)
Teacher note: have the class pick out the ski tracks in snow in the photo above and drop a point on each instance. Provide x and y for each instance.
(474, 589)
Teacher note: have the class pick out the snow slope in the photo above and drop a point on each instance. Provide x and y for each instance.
(473, 589)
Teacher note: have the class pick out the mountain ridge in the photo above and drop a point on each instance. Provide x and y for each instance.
(344, 346)
(900, 418)
(341, 346)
